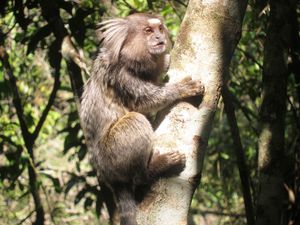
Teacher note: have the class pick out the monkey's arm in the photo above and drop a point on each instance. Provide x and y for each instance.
(143, 96)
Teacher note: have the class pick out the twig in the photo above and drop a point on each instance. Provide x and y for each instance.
(129, 6)
(8, 140)
(49, 204)
(218, 213)
(10, 29)
(55, 88)
(23, 220)
(248, 55)
(246, 111)
(181, 3)
(294, 113)
(70, 52)
(174, 9)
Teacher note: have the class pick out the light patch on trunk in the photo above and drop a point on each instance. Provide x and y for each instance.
(154, 21)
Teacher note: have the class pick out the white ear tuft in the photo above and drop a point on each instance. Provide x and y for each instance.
(113, 33)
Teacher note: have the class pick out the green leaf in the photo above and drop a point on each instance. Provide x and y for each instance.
(88, 203)
(55, 181)
(73, 181)
(82, 152)
(80, 195)
(99, 204)
(38, 36)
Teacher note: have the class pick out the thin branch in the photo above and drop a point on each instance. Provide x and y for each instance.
(250, 56)
(181, 3)
(27, 136)
(8, 140)
(75, 64)
(150, 5)
(48, 204)
(294, 110)
(10, 29)
(69, 51)
(13, 83)
(45, 113)
(28, 216)
(174, 9)
(240, 154)
(246, 111)
(129, 6)
(218, 213)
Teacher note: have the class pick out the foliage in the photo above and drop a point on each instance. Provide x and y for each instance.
(68, 185)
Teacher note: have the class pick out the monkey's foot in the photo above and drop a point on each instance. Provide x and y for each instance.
(167, 164)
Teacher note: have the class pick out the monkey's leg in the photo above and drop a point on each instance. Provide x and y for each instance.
(126, 153)
(167, 164)
(128, 148)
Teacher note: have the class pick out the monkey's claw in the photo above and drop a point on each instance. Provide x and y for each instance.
(175, 159)
(189, 87)
(167, 164)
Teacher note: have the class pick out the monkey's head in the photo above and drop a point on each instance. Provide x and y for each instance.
(135, 37)
(149, 31)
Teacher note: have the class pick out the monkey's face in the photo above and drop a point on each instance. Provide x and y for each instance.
(156, 36)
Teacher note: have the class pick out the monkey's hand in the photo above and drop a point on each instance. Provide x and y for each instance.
(188, 87)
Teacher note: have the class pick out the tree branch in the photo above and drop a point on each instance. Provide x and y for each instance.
(27, 137)
(13, 84)
(55, 88)
(217, 213)
(295, 113)
(70, 53)
(240, 154)
(246, 111)
(181, 3)
(28, 216)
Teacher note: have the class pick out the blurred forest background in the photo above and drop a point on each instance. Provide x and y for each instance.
(46, 50)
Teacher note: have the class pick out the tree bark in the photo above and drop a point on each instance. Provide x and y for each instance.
(272, 197)
(208, 36)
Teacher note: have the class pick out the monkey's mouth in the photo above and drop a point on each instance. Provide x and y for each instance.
(159, 44)
(158, 48)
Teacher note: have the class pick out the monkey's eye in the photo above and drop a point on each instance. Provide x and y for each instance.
(148, 30)
(160, 28)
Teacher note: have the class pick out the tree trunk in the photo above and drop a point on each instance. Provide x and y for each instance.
(272, 197)
(208, 36)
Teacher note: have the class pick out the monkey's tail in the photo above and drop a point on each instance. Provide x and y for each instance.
(126, 204)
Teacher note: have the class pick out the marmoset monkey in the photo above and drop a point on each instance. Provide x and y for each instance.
(124, 84)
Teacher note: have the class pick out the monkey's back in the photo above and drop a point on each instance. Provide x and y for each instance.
(108, 124)
(98, 110)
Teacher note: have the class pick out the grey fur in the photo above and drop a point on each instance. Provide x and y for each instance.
(113, 34)
(122, 86)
